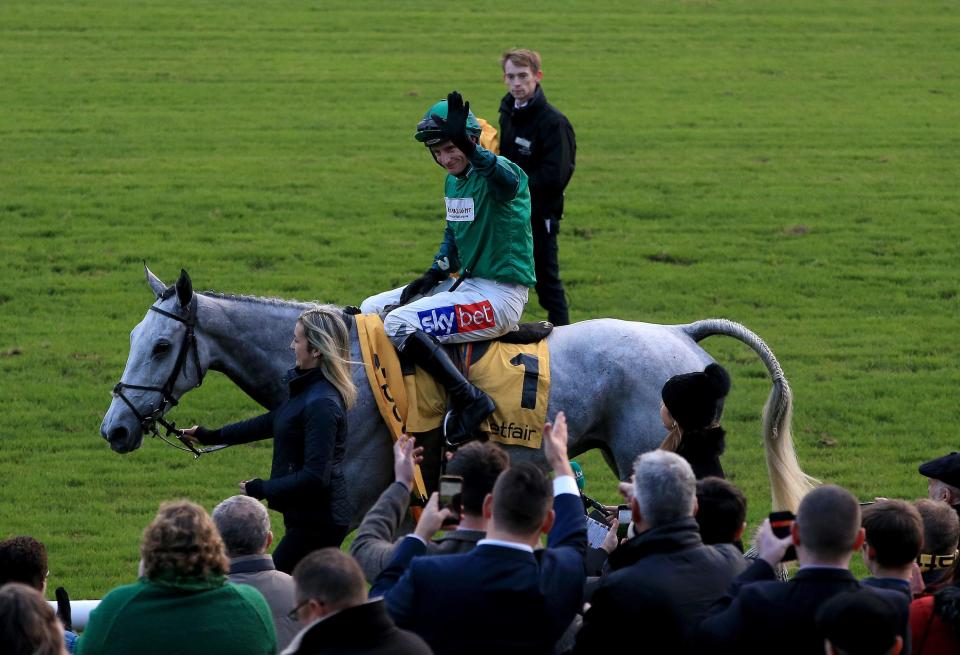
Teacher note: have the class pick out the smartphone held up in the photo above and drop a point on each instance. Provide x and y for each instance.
(781, 523)
(451, 488)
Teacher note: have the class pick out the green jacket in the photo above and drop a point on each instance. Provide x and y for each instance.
(488, 230)
(202, 617)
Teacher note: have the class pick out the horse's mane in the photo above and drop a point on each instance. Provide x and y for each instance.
(259, 300)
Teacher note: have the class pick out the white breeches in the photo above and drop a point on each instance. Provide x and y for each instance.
(479, 309)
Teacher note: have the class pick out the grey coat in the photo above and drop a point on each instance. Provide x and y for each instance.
(277, 587)
(377, 537)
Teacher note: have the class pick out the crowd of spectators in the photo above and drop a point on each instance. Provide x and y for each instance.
(678, 582)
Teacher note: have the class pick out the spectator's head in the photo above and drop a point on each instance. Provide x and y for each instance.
(721, 511)
(664, 489)
(28, 625)
(941, 532)
(479, 464)
(827, 529)
(244, 526)
(182, 542)
(521, 73)
(944, 475)
(519, 509)
(859, 623)
(23, 559)
(894, 534)
(694, 401)
(326, 581)
(521, 57)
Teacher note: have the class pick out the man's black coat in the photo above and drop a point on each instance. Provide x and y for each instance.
(665, 580)
(773, 616)
(361, 630)
(540, 140)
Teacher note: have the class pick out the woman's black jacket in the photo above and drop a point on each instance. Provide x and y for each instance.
(309, 433)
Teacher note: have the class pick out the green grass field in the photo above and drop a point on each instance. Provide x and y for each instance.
(789, 165)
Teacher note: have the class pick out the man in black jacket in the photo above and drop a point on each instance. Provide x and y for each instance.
(760, 614)
(663, 580)
(332, 605)
(537, 137)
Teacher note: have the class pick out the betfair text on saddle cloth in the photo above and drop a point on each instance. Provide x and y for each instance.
(487, 240)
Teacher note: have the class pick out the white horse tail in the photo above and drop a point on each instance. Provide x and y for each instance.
(788, 482)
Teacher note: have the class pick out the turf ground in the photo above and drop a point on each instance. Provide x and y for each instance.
(789, 165)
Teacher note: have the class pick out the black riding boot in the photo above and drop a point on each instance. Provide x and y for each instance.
(470, 404)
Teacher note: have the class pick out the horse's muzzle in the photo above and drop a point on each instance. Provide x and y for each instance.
(120, 439)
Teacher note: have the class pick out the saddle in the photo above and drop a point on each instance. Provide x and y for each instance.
(513, 370)
(528, 333)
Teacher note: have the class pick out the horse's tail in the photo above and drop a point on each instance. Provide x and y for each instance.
(788, 483)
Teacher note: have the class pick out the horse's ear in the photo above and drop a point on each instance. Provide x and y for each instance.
(184, 289)
(156, 285)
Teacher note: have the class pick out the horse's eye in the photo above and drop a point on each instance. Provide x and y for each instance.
(161, 348)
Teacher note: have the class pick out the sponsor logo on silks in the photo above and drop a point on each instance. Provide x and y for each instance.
(514, 431)
(454, 319)
(459, 210)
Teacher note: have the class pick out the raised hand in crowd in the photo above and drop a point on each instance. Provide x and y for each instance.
(406, 456)
(555, 445)
(610, 542)
(771, 547)
(432, 518)
(626, 489)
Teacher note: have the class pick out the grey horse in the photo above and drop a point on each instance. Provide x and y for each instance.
(606, 375)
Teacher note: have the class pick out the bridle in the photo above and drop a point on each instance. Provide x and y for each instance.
(148, 422)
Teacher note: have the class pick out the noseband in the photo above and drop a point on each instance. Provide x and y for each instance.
(148, 422)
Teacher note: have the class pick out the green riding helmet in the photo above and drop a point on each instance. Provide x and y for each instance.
(428, 132)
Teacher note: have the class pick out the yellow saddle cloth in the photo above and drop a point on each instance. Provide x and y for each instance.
(516, 376)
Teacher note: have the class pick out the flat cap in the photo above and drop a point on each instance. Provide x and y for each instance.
(946, 469)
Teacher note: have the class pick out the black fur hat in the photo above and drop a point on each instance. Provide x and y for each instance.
(695, 400)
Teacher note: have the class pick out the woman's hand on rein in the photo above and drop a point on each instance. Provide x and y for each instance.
(190, 434)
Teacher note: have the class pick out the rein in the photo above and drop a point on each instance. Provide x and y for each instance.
(148, 422)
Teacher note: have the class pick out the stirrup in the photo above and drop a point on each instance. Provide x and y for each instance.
(455, 433)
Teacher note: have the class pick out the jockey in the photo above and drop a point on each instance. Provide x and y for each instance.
(488, 241)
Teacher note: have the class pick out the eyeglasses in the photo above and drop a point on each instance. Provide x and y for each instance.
(294, 614)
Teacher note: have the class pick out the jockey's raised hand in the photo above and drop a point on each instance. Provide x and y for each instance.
(422, 285)
(454, 126)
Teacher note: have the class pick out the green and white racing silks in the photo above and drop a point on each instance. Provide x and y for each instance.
(488, 232)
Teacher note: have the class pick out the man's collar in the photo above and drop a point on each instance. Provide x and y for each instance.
(824, 566)
(506, 544)
(300, 636)
(251, 564)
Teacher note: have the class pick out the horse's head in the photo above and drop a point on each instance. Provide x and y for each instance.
(166, 360)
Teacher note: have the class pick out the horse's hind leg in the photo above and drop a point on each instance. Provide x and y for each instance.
(636, 429)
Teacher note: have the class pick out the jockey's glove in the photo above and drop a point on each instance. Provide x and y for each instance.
(422, 285)
(454, 127)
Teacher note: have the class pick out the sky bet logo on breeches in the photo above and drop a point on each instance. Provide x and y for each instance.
(454, 319)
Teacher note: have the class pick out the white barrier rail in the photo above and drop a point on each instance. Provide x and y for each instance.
(79, 612)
